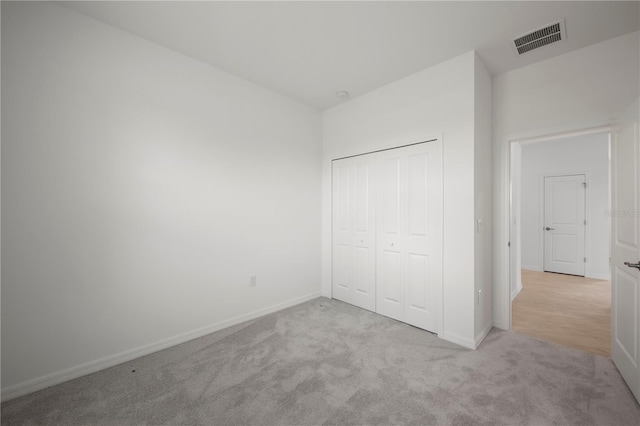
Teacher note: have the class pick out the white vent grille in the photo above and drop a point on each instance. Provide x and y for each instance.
(548, 34)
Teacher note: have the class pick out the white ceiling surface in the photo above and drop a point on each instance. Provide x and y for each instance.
(311, 50)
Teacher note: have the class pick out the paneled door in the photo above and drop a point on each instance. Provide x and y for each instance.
(625, 250)
(354, 231)
(564, 224)
(409, 234)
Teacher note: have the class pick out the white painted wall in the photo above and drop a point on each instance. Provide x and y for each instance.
(483, 201)
(437, 102)
(140, 190)
(580, 89)
(586, 154)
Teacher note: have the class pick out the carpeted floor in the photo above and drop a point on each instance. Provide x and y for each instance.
(326, 362)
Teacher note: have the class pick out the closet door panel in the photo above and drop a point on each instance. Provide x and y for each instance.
(417, 194)
(390, 271)
(390, 184)
(341, 268)
(418, 271)
(419, 299)
(390, 298)
(410, 198)
(341, 275)
(363, 241)
(423, 195)
(364, 234)
(361, 198)
(354, 232)
(425, 235)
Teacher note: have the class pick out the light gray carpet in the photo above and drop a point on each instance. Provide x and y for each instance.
(326, 362)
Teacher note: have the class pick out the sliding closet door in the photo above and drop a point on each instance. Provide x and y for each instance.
(354, 231)
(409, 234)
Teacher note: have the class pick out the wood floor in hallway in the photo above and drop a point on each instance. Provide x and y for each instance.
(565, 309)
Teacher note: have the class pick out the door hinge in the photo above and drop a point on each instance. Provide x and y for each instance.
(585, 222)
(584, 184)
(509, 244)
(585, 260)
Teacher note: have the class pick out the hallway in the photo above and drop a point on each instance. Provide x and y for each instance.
(565, 309)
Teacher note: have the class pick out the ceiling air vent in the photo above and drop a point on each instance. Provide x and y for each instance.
(541, 37)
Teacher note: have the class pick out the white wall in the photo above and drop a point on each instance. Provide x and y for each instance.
(483, 201)
(437, 102)
(586, 154)
(580, 89)
(140, 190)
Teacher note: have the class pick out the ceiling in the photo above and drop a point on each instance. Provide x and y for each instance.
(310, 50)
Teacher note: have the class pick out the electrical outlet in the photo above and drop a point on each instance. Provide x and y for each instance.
(253, 280)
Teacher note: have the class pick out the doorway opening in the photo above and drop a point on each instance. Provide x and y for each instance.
(560, 238)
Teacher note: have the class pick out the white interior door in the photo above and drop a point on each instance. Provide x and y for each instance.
(354, 231)
(564, 224)
(625, 247)
(409, 234)
(390, 236)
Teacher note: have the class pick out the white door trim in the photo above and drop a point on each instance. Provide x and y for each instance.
(502, 263)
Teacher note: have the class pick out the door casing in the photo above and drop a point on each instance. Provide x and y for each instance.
(502, 303)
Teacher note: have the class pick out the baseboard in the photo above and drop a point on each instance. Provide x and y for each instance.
(531, 268)
(599, 277)
(517, 291)
(459, 340)
(58, 377)
(480, 337)
(500, 326)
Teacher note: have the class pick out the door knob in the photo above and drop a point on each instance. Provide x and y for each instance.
(633, 265)
(549, 229)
